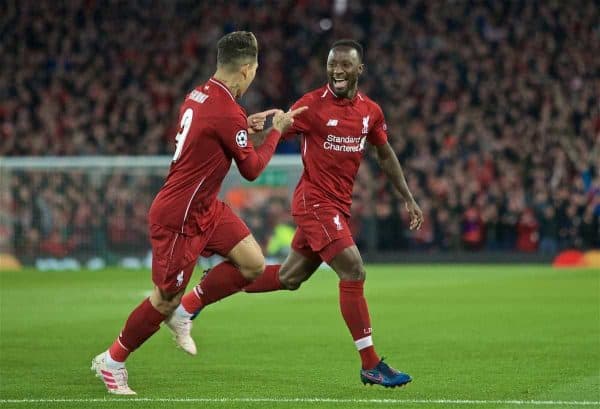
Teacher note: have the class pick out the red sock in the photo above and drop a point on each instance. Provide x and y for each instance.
(267, 281)
(356, 314)
(221, 281)
(141, 324)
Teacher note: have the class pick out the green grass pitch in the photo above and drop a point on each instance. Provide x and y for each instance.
(471, 336)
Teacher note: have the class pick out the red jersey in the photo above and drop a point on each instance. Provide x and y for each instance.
(334, 131)
(213, 131)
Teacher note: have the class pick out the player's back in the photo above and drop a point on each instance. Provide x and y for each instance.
(186, 201)
(334, 134)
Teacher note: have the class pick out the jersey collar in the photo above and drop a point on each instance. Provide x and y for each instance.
(223, 86)
(328, 93)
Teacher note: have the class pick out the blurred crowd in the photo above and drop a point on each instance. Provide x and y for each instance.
(491, 106)
(103, 212)
(94, 214)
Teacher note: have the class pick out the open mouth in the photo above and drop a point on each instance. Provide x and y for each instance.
(340, 84)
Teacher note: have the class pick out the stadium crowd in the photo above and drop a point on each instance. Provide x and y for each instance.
(492, 107)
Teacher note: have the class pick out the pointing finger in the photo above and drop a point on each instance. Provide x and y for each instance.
(272, 111)
(297, 111)
(262, 116)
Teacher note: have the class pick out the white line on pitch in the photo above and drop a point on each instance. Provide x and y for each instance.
(315, 400)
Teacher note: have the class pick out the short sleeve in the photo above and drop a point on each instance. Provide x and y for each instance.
(301, 121)
(233, 134)
(378, 133)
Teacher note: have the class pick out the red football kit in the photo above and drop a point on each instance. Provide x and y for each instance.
(334, 132)
(186, 218)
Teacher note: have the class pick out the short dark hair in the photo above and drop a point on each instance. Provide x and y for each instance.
(351, 44)
(236, 48)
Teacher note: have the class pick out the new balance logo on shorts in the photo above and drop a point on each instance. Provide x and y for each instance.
(180, 279)
(332, 122)
(336, 221)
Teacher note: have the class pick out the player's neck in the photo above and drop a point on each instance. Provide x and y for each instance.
(229, 81)
(352, 93)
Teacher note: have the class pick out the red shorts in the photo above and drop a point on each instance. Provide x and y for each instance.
(324, 232)
(174, 254)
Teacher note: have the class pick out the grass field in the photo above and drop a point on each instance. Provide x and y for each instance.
(471, 336)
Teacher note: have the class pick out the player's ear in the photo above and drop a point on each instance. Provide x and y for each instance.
(245, 70)
(361, 68)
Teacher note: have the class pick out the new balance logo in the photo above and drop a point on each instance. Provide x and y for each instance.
(332, 122)
(180, 279)
(336, 221)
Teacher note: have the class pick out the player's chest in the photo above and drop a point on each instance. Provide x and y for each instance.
(342, 131)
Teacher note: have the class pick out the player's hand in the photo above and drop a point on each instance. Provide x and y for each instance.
(416, 215)
(256, 122)
(283, 120)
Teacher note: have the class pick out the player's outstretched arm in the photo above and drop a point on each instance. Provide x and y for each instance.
(254, 164)
(388, 161)
(256, 126)
(256, 122)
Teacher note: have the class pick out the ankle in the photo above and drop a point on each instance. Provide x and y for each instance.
(113, 363)
(182, 312)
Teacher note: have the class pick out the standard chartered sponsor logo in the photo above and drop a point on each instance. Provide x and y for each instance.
(343, 139)
(344, 143)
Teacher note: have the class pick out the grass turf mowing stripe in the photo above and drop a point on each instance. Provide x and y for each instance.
(316, 401)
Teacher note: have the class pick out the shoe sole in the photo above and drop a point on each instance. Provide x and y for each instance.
(365, 383)
(121, 394)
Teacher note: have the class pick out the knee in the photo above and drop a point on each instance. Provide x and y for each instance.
(253, 267)
(354, 272)
(291, 282)
(163, 302)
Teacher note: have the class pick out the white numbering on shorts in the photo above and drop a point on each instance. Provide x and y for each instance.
(186, 123)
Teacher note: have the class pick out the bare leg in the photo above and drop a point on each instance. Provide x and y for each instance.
(165, 302)
(247, 256)
(296, 269)
(348, 264)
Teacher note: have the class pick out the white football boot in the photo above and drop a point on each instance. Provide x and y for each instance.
(181, 327)
(115, 380)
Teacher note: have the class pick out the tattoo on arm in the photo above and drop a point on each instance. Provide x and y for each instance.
(257, 138)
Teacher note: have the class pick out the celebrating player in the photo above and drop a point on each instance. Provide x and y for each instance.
(186, 219)
(334, 129)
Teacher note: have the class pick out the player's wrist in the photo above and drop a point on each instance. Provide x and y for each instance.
(408, 198)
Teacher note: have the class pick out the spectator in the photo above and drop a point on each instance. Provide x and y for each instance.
(548, 231)
(528, 236)
(491, 106)
(473, 231)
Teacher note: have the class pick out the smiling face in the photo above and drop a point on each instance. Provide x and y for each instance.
(343, 69)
